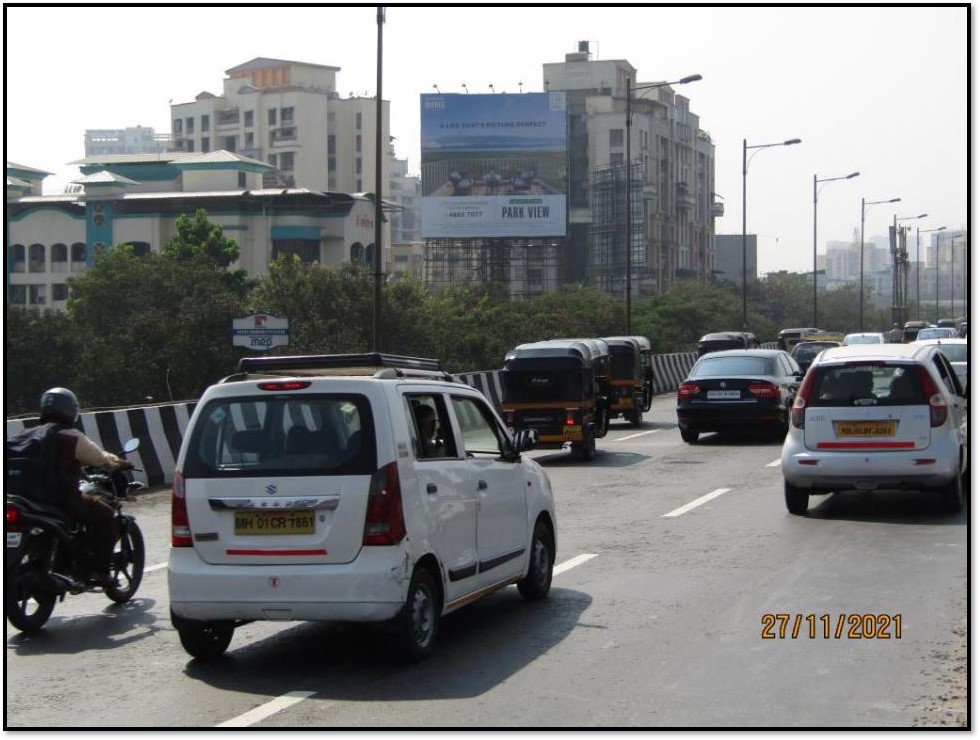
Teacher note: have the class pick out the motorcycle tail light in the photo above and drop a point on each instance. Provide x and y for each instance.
(11, 517)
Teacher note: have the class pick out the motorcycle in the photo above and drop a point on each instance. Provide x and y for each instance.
(48, 555)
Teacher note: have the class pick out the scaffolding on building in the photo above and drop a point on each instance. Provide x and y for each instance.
(516, 267)
(607, 262)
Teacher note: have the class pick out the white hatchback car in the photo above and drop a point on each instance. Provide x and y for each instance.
(888, 416)
(864, 337)
(306, 488)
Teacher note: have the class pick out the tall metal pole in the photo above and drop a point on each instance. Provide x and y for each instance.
(918, 304)
(815, 324)
(378, 190)
(745, 169)
(861, 279)
(937, 279)
(952, 276)
(629, 213)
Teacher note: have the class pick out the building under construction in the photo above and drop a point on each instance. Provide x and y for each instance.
(516, 267)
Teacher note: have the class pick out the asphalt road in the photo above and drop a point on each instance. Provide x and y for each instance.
(685, 596)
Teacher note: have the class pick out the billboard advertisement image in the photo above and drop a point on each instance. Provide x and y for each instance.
(494, 165)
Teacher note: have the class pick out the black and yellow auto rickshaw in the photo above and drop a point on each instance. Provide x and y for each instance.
(560, 389)
(721, 340)
(632, 377)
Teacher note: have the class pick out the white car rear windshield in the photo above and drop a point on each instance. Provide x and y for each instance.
(878, 384)
(283, 434)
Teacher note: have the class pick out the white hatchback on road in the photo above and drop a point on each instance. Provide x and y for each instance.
(877, 417)
(350, 488)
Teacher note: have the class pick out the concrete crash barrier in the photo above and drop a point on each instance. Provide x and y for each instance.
(160, 430)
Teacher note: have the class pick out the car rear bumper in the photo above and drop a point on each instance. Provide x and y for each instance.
(372, 588)
(721, 418)
(854, 471)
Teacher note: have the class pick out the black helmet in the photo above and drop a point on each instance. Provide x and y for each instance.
(59, 404)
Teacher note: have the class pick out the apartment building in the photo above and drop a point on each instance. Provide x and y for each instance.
(130, 140)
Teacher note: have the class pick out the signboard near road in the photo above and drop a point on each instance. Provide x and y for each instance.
(260, 331)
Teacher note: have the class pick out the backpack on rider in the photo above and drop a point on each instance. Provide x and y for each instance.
(29, 465)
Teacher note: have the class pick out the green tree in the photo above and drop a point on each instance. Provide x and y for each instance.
(200, 238)
(42, 351)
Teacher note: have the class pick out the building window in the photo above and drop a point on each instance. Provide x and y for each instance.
(178, 126)
(35, 295)
(359, 187)
(331, 144)
(249, 118)
(287, 115)
(205, 122)
(36, 258)
(249, 140)
(79, 252)
(357, 165)
(241, 180)
(357, 253)
(616, 159)
(189, 125)
(190, 145)
(59, 258)
(274, 160)
(59, 292)
(357, 143)
(140, 249)
(18, 294)
(357, 123)
(286, 133)
(231, 143)
(19, 258)
(205, 144)
(331, 164)
(308, 250)
(286, 161)
(272, 116)
(615, 137)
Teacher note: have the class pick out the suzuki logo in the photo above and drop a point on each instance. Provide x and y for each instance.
(271, 489)
(724, 384)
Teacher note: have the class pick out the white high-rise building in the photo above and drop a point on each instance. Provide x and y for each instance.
(290, 115)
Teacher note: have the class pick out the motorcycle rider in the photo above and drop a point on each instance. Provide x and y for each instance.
(72, 450)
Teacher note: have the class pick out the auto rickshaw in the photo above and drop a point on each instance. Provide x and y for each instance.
(788, 338)
(632, 377)
(720, 340)
(560, 388)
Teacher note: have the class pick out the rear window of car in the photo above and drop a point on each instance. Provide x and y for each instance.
(716, 367)
(806, 352)
(285, 435)
(878, 384)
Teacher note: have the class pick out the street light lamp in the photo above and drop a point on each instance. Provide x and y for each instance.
(864, 207)
(918, 304)
(745, 170)
(900, 270)
(815, 181)
(629, 185)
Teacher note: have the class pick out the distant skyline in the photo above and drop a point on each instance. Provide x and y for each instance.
(878, 89)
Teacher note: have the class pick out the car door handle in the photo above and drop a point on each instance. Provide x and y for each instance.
(431, 488)
(481, 485)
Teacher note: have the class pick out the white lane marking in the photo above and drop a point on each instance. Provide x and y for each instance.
(158, 566)
(698, 501)
(634, 436)
(774, 464)
(267, 710)
(568, 564)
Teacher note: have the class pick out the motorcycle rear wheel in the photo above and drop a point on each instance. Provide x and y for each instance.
(126, 566)
(26, 604)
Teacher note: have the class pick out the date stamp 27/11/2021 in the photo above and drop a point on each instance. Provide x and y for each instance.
(780, 626)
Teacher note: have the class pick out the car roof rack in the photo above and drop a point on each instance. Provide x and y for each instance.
(375, 364)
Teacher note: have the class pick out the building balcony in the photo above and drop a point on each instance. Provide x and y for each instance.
(717, 210)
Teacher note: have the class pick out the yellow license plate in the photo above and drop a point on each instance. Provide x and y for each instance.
(572, 432)
(274, 522)
(865, 428)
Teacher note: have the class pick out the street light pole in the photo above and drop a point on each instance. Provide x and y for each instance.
(629, 187)
(815, 181)
(745, 171)
(918, 303)
(864, 208)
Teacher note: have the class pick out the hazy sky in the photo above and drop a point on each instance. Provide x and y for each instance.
(881, 90)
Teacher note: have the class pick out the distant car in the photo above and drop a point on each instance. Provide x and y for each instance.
(937, 332)
(882, 417)
(957, 351)
(864, 337)
(804, 352)
(964, 329)
(736, 390)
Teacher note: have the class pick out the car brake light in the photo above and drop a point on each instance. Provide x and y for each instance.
(11, 517)
(180, 528)
(798, 413)
(764, 390)
(687, 390)
(937, 404)
(570, 417)
(285, 385)
(384, 523)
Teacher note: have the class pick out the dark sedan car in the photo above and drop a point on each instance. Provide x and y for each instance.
(738, 390)
(804, 352)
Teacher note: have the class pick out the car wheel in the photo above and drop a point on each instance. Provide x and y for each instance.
(951, 495)
(797, 499)
(537, 583)
(586, 448)
(204, 640)
(418, 623)
(689, 435)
